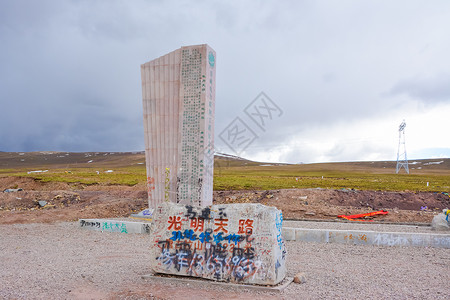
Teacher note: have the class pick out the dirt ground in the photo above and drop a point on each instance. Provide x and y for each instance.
(70, 202)
(61, 261)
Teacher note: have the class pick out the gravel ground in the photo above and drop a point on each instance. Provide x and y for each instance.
(62, 261)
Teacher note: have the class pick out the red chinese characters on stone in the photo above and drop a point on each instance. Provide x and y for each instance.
(174, 223)
(197, 224)
(150, 185)
(197, 245)
(245, 226)
(220, 225)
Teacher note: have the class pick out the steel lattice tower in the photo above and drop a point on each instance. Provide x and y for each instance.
(402, 160)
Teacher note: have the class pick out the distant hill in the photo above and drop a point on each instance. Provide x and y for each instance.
(13, 160)
(58, 160)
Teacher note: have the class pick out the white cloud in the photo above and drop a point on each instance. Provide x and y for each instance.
(365, 139)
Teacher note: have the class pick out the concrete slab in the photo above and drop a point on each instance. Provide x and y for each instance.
(364, 226)
(361, 237)
(178, 96)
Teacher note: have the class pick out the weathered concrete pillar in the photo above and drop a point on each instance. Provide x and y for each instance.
(178, 91)
(239, 243)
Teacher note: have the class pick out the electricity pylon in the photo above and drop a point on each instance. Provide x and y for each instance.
(402, 160)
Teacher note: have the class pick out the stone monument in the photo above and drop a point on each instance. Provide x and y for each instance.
(239, 243)
(178, 91)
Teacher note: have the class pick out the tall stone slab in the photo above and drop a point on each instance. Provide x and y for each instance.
(240, 243)
(178, 91)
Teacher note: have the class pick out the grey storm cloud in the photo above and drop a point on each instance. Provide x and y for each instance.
(427, 89)
(70, 70)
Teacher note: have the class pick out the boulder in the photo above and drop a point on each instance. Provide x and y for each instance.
(440, 222)
(239, 243)
(300, 277)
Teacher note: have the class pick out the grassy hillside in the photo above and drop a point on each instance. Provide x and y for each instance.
(357, 175)
(230, 172)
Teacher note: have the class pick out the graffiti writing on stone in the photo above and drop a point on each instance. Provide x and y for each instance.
(150, 186)
(202, 245)
(389, 239)
(443, 242)
(84, 223)
(219, 242)
(215, 259)
(279, 224)
(356, 237)
(146, 228)
(109, 226)
(114, 227)
(416, 240)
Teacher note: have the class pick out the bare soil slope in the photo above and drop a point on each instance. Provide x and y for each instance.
(69, 202)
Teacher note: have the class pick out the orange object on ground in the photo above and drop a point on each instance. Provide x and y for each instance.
(352, 217)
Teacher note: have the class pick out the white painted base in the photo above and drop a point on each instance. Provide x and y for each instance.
(115, 226)
(359, 237)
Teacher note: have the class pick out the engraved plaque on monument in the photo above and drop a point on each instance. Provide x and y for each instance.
(178, 92)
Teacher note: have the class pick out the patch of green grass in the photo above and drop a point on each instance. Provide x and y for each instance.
(7, 171)
(122, 176)
(251, 176)
(280, 178)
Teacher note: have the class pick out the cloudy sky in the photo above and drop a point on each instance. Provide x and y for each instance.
(344, 74)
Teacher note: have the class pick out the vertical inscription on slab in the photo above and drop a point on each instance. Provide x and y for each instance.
(178, 96)
(207, 164)
(192, 137)
(197, 125)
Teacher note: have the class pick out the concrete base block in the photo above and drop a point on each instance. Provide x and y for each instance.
(289, 234)
(240, 243)
(359, 237)
(310, 235)
(115, 226)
